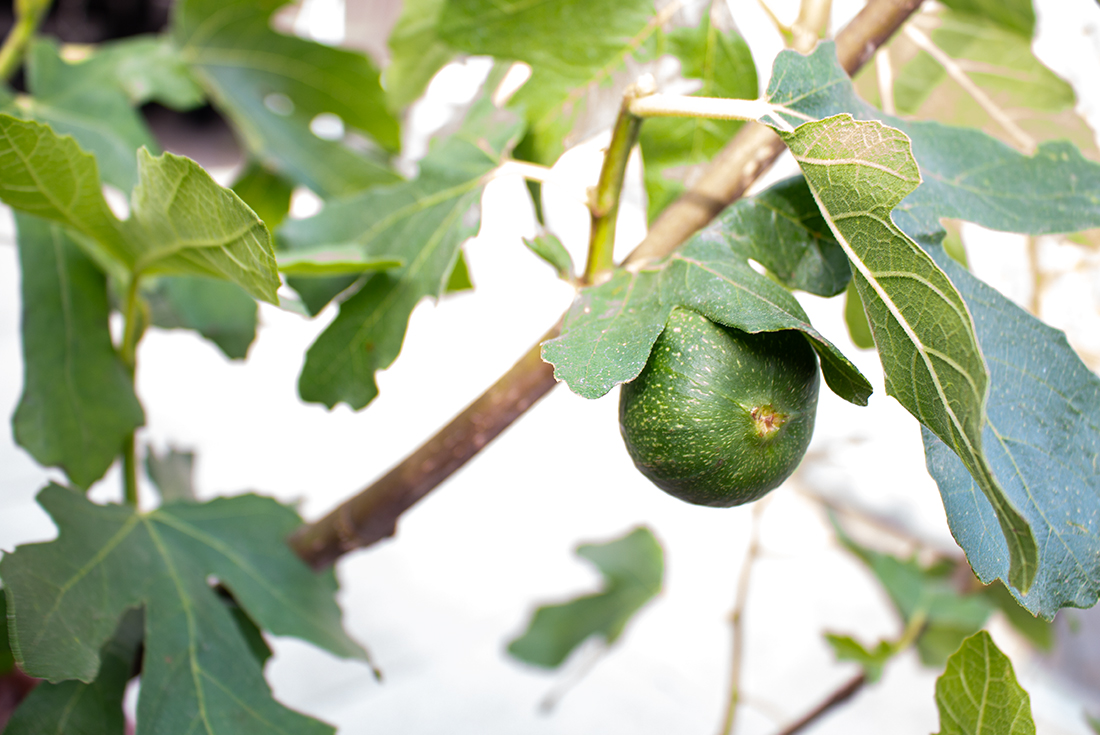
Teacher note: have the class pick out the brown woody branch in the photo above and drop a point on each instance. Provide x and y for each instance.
(372, 514)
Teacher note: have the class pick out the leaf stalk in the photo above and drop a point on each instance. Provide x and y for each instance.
(604, 205)
(131, 334)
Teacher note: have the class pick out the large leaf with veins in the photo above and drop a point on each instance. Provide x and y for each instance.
(66, 597)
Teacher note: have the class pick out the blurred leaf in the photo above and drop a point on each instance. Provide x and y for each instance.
(340, 260)
(856, 319)
(150, 69)
(459, 280)
(266, 193)
(953, 243)
(571, 45)
(173, 474)
(999, 61)
(549, 248)
(608, 333)
(69, 594)
(78, 403)
(79, 708)
(929, 592)
(423, 223)
(87, 101)
(1093, 722)
(1038, 631)
(722, 62)
(872, 662)
(182, 221)
(1014, 15)
(416, 51)
(218, 310)
(273, 86)
(632, 567)
(978, 694)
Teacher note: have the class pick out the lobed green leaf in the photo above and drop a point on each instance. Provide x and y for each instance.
(218, 310)
(198, 671)
(632, 567)
(421, 223)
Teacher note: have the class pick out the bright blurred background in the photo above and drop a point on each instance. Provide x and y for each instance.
(437, 604)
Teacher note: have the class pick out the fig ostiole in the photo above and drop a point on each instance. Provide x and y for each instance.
(718, 416)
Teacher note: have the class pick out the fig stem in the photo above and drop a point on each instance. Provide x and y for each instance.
(372, 514)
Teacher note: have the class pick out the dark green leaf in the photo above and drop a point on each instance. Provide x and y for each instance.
(272, 87)
(978, 694)
(1043, 435)
(218, 310)
(173, 474)
(416, 51)
(782, 229)
(78, 708)
(78, 402)
(317, 293)
(198, 672)
(856, 319)
(610, 329)
(422, 223)
(872, 662)
(251, 632)
(608, 333)
(632, 567)
(671, 146)
(7, 659)
(549, 248)
(571, 45)
(706, 276)
(266, 193)
(928, 593)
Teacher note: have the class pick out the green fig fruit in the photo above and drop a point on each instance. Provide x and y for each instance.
(718, 416)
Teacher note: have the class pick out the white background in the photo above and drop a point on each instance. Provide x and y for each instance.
(437, 605)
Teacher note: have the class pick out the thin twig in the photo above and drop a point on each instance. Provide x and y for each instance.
(372, 514)
(923, 42)
(834, 700)
(737, 618)
(29, 14)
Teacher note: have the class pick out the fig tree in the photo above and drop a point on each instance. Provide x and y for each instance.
(718, 416)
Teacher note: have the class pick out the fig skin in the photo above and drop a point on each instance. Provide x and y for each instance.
(720, 417)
